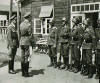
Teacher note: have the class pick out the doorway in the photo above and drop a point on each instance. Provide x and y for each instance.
(93, 17)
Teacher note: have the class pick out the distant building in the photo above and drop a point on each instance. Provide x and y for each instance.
(4, 17)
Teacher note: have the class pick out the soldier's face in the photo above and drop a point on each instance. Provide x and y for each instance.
(63, 22)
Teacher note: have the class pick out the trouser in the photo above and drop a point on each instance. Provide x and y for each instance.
(12, 53)
(52, 54)
(25, 59)
(87, 60)
(64, 51)
(97, 62)
(75, 55)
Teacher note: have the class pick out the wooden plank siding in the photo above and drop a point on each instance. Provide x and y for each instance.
(61, 8)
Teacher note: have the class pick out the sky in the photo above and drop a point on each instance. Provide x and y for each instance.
(5, 2)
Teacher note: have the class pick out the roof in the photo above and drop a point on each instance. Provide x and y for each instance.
(7, 7)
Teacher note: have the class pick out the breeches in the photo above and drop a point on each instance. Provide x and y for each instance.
(64, 50)
(52, 51)
(24, 53)
(87, 56)
(12, 52)
(75, 52)
(97, 57)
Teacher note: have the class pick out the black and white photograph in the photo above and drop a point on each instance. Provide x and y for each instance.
(49, 41)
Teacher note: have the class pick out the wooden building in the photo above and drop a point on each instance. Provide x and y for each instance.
(45, 10)
(4, 17)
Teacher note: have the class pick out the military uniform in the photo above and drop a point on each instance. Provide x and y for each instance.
(52, 46)
(87, 48)
(64, 44)
(76, 42)
(97, 57)
(25, 42)
(12, 44)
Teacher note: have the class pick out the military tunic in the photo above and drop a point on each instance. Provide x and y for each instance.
(64, 40)
(87, 48)
(97, 48)
(12, 44)
(88, 44)
(64, 44)
(52, 42)
(25, 42)
(76, 42)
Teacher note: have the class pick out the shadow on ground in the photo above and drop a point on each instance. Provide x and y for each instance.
(3, 64)
(37, 72)
(33, 72)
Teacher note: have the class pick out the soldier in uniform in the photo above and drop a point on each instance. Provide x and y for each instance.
(64, 43)
(13, 43)
(76, 42)
(87, 48)
(97, 57)
(25, 43)
(52, 45)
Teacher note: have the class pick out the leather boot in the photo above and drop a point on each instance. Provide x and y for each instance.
(23, 69)
(90, 75)
(10, 67)
(26, 69)
(55, 62)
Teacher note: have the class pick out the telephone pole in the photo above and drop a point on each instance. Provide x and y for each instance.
(10, 10)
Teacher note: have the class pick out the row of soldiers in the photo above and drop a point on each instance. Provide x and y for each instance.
(77, 47)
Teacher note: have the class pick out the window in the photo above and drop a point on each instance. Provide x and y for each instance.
(46, 25)
(77, 8)
(85, 7)
(3, 23)
(37, 26)
(96, 6)
(73, 8)
(92, 7)
(82, 8)
(46, 14)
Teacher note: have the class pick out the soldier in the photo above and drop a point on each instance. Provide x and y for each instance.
(52, 45)
(25, 43)
(87, 48)
(13, 43)
(97, 57)
(76, 41)
(64, 43)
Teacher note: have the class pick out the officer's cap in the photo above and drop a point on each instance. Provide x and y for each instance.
(13, 17)
(27, 14)
(64, 19)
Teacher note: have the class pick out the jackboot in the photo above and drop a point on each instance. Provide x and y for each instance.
(23, 69)
(90, 75)
(55, 62)
(27, 70)
(10, 67)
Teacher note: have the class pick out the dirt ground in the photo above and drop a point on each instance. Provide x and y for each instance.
(40, 73)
